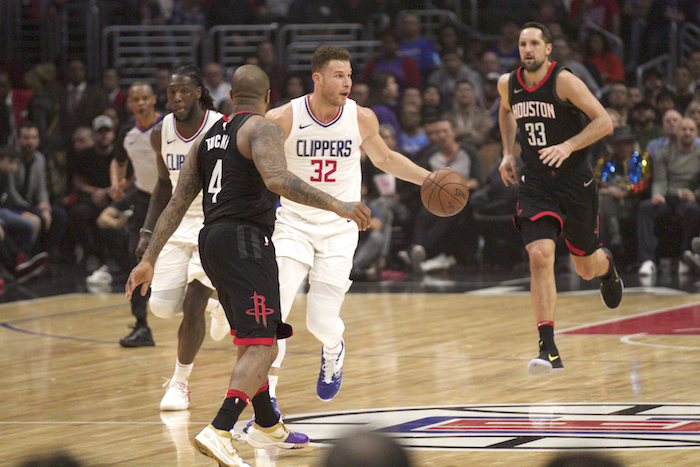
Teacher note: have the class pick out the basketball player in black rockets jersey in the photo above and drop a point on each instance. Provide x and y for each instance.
(557, 194)
(240, 163)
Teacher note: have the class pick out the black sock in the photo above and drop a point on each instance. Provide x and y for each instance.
(611, 269)
(229, 412)
(546, 335)
(265, 415)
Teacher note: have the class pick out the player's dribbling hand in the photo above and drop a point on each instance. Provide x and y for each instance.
(358, 212)
(141, 274)
(555, 155)
(508, 170)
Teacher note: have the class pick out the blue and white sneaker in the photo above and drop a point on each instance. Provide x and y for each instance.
(278, 435)
(274, 406)
(331, 376)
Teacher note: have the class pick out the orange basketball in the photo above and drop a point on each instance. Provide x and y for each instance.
(444, 192)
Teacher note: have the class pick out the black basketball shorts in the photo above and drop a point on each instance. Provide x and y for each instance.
(239, 258)
(570, 198)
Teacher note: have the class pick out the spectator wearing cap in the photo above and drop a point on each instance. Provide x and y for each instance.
(642, 119)
(624, 179)
(88, 172)
(490, 100)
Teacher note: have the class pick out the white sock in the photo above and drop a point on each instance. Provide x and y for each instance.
(182, 372)
(335, 350)
(272, 381)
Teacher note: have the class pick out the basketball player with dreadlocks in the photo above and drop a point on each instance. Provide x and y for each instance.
(180, 283)
(557, 193)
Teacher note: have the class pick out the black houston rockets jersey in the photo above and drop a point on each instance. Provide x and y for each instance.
(231, 184)
(543, 118)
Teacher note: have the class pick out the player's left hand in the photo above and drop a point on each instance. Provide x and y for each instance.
(141, 274)
(554, 156)
(358, 212)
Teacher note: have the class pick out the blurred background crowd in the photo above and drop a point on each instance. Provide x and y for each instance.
(427, 68)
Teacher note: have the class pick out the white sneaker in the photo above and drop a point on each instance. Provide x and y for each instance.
(219, 322)
(648, 268)
(441, 261)
(218, 444)
(177, 396)
(278, 435)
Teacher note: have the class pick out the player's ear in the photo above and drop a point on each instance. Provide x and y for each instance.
(267, 96)
(548, 48)
(316, 77)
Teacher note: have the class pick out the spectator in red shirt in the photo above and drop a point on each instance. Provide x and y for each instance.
(607, 63)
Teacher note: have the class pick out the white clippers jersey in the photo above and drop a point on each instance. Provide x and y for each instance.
(324, 155)
(137, 144)
(174, 149)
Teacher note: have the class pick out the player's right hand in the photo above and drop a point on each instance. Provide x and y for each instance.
(508, 169)
(141, 274)
(358, 212)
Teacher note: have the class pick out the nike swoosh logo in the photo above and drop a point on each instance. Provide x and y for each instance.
(301, 127)
(170, 142)
(552, 358)
(588, 182)
(515, 91)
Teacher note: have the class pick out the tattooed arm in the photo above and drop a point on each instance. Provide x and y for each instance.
(267, 151)
(159, 197)
(188, 186)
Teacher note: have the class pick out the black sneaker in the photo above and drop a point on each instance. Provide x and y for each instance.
(28, 266)
(547, 361)
(140, 336)
(611, 289)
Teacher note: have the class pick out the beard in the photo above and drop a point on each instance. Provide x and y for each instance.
(534, 66)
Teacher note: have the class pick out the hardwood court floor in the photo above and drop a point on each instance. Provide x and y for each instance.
(66, 384)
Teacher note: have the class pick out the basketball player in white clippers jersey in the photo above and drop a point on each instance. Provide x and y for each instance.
(324, 133)
(180, 283)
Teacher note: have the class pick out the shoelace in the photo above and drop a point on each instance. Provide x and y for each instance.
(180, 386)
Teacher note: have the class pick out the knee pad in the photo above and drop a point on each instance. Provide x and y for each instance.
(166, 303)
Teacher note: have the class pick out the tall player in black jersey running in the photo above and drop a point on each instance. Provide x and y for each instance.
(557, 188)
(240, 163)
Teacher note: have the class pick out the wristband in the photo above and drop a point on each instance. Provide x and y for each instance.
(145, 231)
(569, 144)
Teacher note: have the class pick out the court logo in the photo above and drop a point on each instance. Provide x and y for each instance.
(515, 427)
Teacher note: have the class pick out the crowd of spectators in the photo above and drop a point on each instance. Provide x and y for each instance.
(437, 102)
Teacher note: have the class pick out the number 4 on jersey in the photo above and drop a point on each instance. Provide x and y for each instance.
(215, 181)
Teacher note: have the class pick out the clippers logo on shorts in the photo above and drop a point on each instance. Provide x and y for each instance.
(518, 427)
(259, 310)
